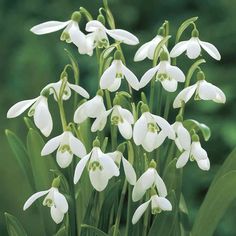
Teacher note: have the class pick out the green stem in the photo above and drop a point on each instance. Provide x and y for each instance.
(128, 221)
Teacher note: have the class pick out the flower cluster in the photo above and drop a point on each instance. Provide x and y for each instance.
(139, 123)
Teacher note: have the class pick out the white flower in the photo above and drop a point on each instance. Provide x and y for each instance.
(101, 168)
(148, 49)
(67, 145)
(130, 174)
(55, 200)
(192, 151)
(39, 110)
(168, 75)
(203, 90)
(150, 131)
(111, 78)
(92, 108)
(99, 35)
(193, 48)
(56, 87)
(71, 33)
(158, 204)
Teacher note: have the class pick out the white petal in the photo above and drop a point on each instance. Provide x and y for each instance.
(140, 130)
(94, 107)
(81, 91)
(141, 54)
(123, 36)
(149, 143)
(184, 137)
(80, 116)
(126, 114)
(169, 85)
(43, 118)
(139, 212)
(80, 167)
(109, 166)
(161, 202)
(145, 181)
(184, 96)
(210, 49)
(198, 152)
(130, 77)
(125, 129)
(193, 48)
(49, 27)
(175, 73)
(204, 164)
(56, 215)
(160, 185)
(220, 96)
(60, 202)
(33, 198)
(98, 179)
(178, 49)
(93, 25)
(51, 145)
(182, 160)
(161, 136)
(129, 171)
(64, 158)
(19, 108)
(100, 121)
(115, 85)
(147, 77)
(77, 147)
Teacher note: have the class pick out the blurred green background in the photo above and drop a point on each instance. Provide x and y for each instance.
(28, 62)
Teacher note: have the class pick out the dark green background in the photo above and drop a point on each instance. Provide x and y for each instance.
(28, 62)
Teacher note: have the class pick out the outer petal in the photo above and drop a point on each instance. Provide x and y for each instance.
(182, 160)
(149, 143)
(198, 152)
(115, 86)
(43, 118)
(204, 164)
(129, 171)
(100, 121)
(161, 203)
(109, 166)
(130, 77)
(60, 202)
(123, 36)
(147, 77)
(142, 52)
(77, 147)
(95, 107)
(125, 129)
(184, 95)
(193, 48)
(161, 136)
(175, 73)
(20, 107)
(51, 145)
(160, 185)
(93, 25)
(126, 114)
(33, 198)
(108, 77)
(81, 91)
(169, 85)
(56, 215)
(98, 179)
(80, 116)
(80, 167)
(139, 212)
(140, 130)
(178, 49)
(184, 137)
(49, 27)
(64, 158)
(210, 49)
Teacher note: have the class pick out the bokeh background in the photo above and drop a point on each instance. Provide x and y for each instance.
(28, 62)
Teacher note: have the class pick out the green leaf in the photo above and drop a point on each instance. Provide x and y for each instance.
(184, 26)
(164, 222)
(94, 230)
(62, 232)
(14, 227)
(29, 123)
(193, 124)
(20, 155)
(218, 198)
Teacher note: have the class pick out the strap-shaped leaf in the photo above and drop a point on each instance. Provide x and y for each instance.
(94, 230)
(20, 155)
(218, 198)
(14, 227)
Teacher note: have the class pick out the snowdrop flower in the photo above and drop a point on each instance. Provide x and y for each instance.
(150, 131)
(39, 110)
(168, 75)
(67, 145)
(56, 87)
(147, 180)
(192, 151)
(193, 47)
(202, 89)
(111, 78)
(71, 33)
(54, 199)
(158, 204)
(98, 35)
(118, 157)
(92, 108)
(147, 50)
(101, 168)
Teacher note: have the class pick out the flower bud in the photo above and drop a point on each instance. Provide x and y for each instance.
(56, 182)
(195, 33)
(200, 75)
(195, 138)
(76, 16)
(144, 108)
(101, 18)
(161, 31)
(117, 55)
(152, 164)
(164, 56)
(96, 142)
